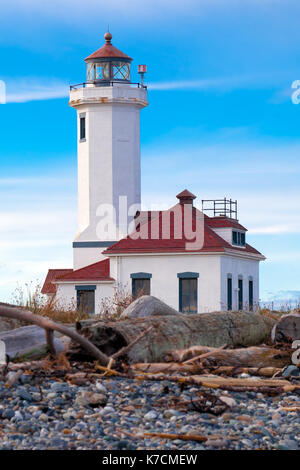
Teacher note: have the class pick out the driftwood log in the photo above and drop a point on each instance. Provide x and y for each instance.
(225, 383)
(287, 329)
(50, 326)
(242, 357)
(172, 367)
(174, 332)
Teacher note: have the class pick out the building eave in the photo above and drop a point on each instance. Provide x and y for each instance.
(246, 254)
(86, 281)
(165, 253)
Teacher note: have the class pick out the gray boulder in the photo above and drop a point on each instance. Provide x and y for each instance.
(287, 328)
(146, 306)
(26, 340)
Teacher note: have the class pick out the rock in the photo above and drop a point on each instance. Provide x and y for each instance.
(2, 353)
(146, 306)
(276, 417)
(287, 328)
(101, 388)
(90, 399)
(170, 413)
(128, 408)
(107, 411)
(10, 376)
(228, 401)
(26, 340)
(8, 413)
(247, 443)
(18, 416)
(59, 387)
(245, 418)
(150, 416)
(289, 444)
(291, 371)
(24, 395)
(217, 443)
(43, 417)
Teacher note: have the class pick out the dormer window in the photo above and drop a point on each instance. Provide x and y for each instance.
(238, 238)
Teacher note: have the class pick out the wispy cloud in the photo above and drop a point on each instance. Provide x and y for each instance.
(276, 229)
(207, 84)
(263, 177)
(257, 81)
(36, 181)
(33, 89)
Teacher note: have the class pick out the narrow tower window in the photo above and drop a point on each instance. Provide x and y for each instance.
(229, 293)
(241, 302)
(251, 295)
(82, 127)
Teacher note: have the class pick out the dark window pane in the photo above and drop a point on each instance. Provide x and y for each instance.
(243, 239)
(140, 287)
(188, 295)
(234, 238)
(240, 294)
(82, 128)
(86, 301)
(251, 295)
(229, 294)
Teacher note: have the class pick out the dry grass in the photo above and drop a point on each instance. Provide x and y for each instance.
(277, 314)
(31, 298)
(112, 308)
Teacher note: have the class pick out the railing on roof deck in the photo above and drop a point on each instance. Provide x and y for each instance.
(221, 207)
(106, 83)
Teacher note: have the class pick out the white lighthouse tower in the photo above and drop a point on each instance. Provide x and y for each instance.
(108, 121)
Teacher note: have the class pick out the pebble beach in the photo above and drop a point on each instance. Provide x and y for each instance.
(115, 413)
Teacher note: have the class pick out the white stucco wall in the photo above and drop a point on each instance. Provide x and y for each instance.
(85, 256)
(224, 232)
(236, 267)
(67, 297)
(109, 158)
(213, 272)
(164, 281)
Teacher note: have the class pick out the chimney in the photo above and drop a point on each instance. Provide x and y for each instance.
(186, 197)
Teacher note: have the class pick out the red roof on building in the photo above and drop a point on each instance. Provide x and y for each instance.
(108, 50)
(99, 271)
(53, 274)
(150, 235)
(220, 222)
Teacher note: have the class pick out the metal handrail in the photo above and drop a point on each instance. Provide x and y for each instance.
(104, 83)
(221, 207)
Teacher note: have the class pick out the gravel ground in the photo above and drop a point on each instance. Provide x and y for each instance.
(58, 415)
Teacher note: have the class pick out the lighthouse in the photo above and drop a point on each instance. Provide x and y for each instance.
(108, 109)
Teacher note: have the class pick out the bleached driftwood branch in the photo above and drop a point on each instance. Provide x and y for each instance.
(50, 326)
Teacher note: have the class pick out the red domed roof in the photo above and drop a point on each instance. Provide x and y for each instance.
(108, 50)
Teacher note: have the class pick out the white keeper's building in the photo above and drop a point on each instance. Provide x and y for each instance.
(194, 260)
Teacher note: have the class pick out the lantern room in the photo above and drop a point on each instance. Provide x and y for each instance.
(108, 64)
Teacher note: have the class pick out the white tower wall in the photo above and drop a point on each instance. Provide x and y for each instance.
(108, 161)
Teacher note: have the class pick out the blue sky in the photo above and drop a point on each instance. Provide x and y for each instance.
(220, 122)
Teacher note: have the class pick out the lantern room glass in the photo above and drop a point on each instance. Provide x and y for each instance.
(108, 71)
